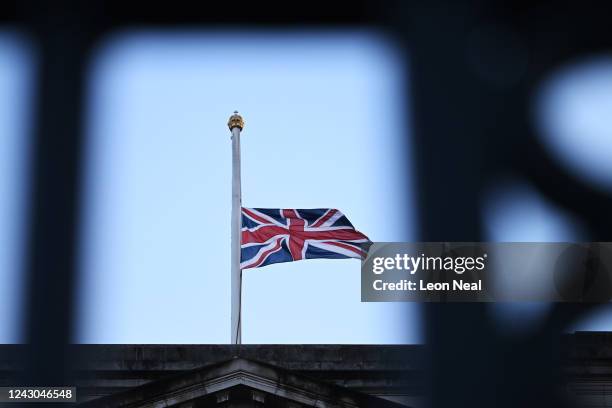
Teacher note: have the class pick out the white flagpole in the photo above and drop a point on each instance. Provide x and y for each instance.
(235, 124)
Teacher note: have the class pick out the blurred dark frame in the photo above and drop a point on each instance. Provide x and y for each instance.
(470, 129)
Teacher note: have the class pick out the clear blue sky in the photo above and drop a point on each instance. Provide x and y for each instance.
(15, 85)
(324, 128)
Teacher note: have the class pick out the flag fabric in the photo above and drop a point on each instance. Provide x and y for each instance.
(285, 235)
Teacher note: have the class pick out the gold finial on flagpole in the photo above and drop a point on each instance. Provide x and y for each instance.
(235, 121)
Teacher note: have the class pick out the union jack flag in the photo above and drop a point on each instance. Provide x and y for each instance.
(285, 235)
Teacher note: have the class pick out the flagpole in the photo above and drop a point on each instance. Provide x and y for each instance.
(235, 124)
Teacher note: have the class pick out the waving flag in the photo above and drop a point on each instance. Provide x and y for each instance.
(285, 235)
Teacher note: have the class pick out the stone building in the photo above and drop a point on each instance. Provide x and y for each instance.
(294, 376)
(250, 375)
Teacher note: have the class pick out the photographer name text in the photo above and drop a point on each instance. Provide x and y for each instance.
(404, 284)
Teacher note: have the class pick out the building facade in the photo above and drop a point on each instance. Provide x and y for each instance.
(223, 376)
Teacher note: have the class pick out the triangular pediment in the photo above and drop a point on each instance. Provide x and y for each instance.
(240, 382)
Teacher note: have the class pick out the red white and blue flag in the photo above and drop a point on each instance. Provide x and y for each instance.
(285, 235)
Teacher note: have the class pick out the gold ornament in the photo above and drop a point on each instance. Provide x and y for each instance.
(235, 121)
